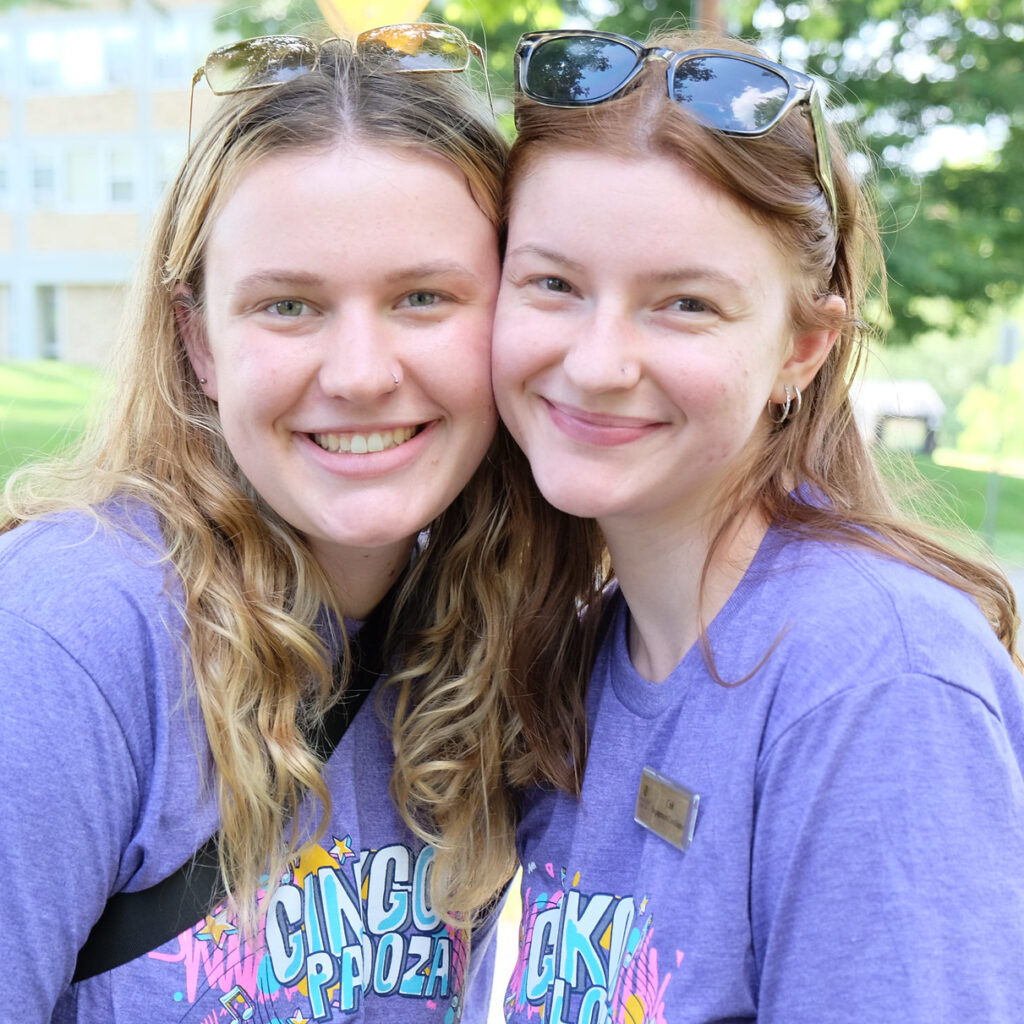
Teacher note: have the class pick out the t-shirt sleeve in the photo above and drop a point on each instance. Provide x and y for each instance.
(70, 793)
(888, 861)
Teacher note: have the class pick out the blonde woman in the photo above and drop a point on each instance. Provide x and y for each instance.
(803, 799)
(302, 422)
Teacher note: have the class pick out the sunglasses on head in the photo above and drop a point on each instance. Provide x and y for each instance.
(273, 60)
(734, 93)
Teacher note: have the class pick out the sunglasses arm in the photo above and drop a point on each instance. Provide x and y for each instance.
(191, 99)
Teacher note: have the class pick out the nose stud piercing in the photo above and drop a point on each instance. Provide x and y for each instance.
(394, 377)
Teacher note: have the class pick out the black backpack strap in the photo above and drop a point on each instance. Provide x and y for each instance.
(134, 923)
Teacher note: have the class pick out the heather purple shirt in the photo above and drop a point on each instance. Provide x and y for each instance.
(100, 756)
(858, 854)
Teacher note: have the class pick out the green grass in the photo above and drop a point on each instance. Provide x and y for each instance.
(956, 498)
(43, 407)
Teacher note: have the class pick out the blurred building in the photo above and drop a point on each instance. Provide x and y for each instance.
(93, 116)
(901, 415)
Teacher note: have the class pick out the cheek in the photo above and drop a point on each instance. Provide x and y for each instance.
(505, 355)
(522, 349)
(457, 376)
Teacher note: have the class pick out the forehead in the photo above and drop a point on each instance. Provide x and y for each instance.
(364, 202)
(646, 210)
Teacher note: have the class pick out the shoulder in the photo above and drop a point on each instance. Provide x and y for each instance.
(71, 569)
(844, 618)
(91, 601)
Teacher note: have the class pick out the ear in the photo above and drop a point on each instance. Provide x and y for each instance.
(810, 349)
(192, 330)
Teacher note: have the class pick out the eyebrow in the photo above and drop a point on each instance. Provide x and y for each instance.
(302, 279)
(437, 268)
(547, 254)
(283, 278)
(697, 273)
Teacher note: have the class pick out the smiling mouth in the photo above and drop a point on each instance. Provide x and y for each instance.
(362, 444)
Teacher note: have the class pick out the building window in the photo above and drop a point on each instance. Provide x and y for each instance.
(44, 179)
(169, 156)
(42, 60)
(119, 47)
(82, 178)
(81, 59)
(47, 344)
(172, 60)
(80, 56)
(121, 176)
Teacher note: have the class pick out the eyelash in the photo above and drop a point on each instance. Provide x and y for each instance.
(675, 304)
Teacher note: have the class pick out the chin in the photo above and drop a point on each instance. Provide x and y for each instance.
(573, 503)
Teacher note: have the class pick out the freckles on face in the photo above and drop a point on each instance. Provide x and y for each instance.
(651, 311)
(349, 305)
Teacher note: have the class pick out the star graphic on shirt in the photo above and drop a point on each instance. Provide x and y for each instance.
(298, 1019)
(342, 849)
(215, 927)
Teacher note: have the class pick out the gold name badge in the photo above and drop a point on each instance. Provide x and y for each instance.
(666, 809)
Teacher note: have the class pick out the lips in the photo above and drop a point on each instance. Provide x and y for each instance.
(364, 443)
(596, 428)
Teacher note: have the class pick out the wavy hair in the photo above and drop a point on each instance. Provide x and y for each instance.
(463, 746)
(812, 475)
(254, 596)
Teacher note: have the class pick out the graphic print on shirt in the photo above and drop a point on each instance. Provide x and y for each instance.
(585, 958)
(340, 927)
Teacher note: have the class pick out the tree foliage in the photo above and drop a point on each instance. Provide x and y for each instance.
(912, 75)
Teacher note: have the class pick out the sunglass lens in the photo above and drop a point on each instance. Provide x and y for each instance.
(417, 47)
(572, 70)
(729, 94)
(254, 63)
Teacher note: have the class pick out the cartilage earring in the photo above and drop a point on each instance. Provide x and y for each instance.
(202, 380)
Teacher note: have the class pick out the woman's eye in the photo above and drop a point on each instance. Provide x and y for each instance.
(554, 284)
(419, 299)
(689, 305)
(288, 307)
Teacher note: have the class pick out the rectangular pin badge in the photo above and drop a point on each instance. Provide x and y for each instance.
(666, 808)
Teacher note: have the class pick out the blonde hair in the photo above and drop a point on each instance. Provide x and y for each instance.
(254, 596)
(820, 451)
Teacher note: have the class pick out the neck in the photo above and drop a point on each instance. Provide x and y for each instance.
(360, 578)
(659, 570)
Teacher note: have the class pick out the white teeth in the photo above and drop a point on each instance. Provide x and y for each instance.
(360, 444)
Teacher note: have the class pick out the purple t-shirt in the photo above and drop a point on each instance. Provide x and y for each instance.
(102, 759)
(857, 853)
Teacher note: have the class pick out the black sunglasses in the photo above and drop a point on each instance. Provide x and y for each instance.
(735, 93)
